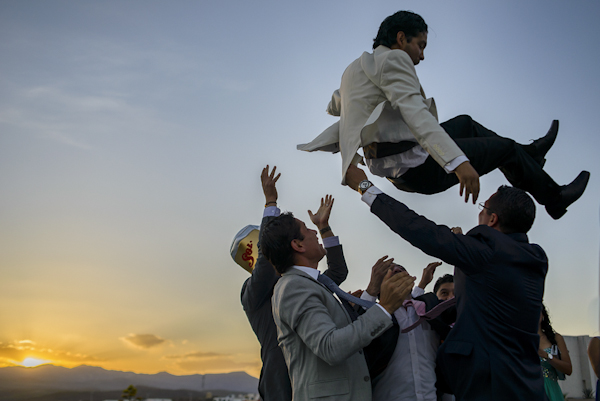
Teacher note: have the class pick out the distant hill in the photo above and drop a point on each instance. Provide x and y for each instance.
(143, 392)
(15, 381)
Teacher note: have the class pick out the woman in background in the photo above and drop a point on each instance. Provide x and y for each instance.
(554, 356)
(594, 355)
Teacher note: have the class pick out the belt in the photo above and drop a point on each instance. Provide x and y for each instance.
(377, 150)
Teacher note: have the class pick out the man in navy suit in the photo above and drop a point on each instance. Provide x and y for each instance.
(491, 353)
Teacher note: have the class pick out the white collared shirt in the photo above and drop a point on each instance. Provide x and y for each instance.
(410, 374)
(395, 166)
(314, 273)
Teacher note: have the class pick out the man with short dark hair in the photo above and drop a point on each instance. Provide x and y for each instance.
(274, 382)
(444, 287)
(322, 345)
(383, 109)
(491, 353)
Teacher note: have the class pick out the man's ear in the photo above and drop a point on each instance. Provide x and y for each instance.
(494, 222)
(401, 40)
(297, 246)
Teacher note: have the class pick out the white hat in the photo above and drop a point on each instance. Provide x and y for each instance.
(244, 248)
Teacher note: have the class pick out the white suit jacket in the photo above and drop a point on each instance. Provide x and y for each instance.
(321, 345)
(381, 100)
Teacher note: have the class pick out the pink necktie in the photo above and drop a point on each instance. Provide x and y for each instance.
(418, 305)
(432, 314)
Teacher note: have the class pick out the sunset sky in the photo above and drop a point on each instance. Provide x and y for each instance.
(133, 133)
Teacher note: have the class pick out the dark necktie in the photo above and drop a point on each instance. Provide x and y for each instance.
(333, 287)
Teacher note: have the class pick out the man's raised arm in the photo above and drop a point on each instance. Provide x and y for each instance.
(259, 287)
(434, 240)
(336, 263)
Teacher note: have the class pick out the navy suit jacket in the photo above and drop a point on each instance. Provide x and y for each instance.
(274, 382)
(491, 353)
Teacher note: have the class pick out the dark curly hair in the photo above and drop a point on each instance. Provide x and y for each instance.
(408, 22)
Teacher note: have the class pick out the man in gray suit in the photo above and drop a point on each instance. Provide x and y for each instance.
(274, 382)
(321, 344)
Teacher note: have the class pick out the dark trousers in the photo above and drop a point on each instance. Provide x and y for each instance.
(486, 151)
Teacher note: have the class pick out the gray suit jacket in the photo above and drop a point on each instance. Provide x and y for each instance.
(321, 345)
(381, 100)
(274, 382)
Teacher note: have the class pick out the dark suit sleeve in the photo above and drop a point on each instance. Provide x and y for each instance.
(259, 287)
(337, 270)
(468, 252)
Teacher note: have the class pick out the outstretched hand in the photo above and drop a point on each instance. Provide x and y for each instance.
(268, 184)
(321, 218)
(469, 181)
(456, 230)
(378, 272)
(428, 273)
(395, 289)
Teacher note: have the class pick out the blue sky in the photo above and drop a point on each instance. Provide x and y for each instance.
(132, 135)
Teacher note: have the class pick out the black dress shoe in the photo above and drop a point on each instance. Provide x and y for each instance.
(538, 148)
(568, 194)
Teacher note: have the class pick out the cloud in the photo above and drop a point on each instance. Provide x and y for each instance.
(66, 356)
(196, 355)
(10, 351)
(143, 341)
(82, 120)
(218, 365)
(102, 89)
(202, 362)
(16, 351)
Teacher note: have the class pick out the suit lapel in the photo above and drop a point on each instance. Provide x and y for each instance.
(300, 273)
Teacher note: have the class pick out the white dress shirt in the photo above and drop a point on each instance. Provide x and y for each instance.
(395, 165)
(410, 374)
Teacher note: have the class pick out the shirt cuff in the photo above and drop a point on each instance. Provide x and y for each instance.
(368, 297)
(330, 242)
(417, 291)
(454, 163)
(271, 211)
(370, 195)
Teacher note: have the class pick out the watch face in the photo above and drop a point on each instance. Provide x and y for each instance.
(364, 185)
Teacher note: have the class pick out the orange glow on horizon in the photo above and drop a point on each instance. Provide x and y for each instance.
(31, 362)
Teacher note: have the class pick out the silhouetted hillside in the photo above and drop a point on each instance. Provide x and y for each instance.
(83, 382)
(144, 392)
